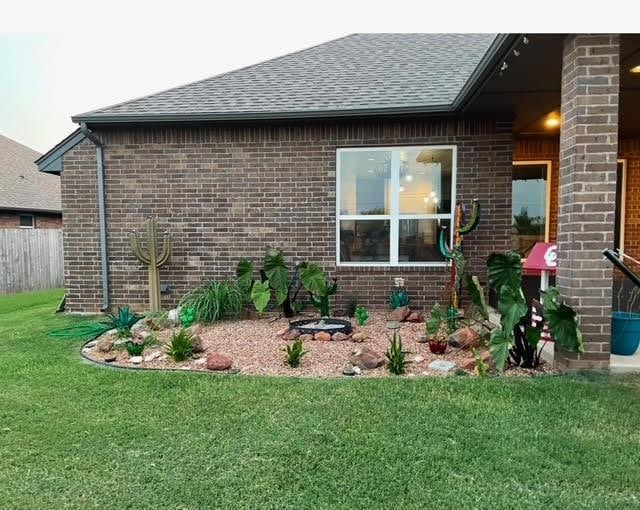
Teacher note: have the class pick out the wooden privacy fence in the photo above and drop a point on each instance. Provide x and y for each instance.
(30, 259)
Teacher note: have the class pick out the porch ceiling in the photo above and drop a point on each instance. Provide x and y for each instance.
(529, 88)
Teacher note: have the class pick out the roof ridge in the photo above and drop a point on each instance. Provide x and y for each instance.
(273, 59)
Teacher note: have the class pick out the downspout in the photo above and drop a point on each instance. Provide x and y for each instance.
(101, 214)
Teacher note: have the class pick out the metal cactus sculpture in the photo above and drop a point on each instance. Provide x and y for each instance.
(152, 259)
(455, 252)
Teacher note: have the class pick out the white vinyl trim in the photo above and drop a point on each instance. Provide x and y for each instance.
(395, 216)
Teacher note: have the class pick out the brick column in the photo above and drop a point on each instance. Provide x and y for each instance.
(587, 189)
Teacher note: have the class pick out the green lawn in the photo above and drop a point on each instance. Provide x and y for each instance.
(75, 435)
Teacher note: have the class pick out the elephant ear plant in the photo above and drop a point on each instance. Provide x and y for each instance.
(319, 288)
(517, 339)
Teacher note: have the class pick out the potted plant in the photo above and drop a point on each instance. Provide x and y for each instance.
(625, 324)
(436, 332)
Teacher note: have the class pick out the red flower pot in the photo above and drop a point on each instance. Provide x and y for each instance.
(438, 347)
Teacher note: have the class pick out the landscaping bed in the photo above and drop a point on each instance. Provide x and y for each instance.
(257, 347)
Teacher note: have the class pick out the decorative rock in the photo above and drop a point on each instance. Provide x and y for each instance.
(360, 336)
(418, 359)
(120, 341)
(282, 331)
(469, 363)
(136, 360)
(217, 361)
(195, 329)
(322, 336)
(198, 346)
(349, 369)
(307, 337)
(400, 314)
(110, 359)
(91, 344)
(338, 336)
(139, 327)
(152, 356)
(367, 359)
(464, 338)
(415, 317)
(442, 366)
(357, 370)
(105, 344)
(200, 361)
(422, 339)
(291, 334)
(174, 315)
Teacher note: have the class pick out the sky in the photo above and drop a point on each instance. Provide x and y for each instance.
(67, 57)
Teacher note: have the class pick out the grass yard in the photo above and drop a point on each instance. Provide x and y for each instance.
(78, 436)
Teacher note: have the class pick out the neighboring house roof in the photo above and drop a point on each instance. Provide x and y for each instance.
(22, 187)
(360, 74)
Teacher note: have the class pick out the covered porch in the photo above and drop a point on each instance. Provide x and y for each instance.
(574, 101)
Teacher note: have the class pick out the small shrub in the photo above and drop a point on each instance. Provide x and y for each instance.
(123, 320)
(362, 316)
(214, 301)
(481, 367)
(396, 356)
(181, 346)
(135, 347)
(294, 353)
(352, 306)
(187, 316)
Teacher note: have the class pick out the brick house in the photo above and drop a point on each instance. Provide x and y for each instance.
(28, 198)
(353, 153)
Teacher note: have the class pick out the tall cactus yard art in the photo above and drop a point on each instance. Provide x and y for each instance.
(152, 259)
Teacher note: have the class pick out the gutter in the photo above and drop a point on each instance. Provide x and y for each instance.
(101, 214)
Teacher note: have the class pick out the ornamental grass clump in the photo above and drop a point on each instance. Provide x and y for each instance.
(397, 359)
(135, 347)
(362, 315)
(181, 346)
(214, 301)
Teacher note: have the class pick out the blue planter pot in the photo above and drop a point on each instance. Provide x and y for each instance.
(625, 333)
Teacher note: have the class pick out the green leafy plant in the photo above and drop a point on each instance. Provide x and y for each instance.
(397, 359)
(275, 278)
(517, 339)
(319, 287)
(352, 306)
(362, 315)
(482, 369)
(181, 346)
(294, 353)
(135, 347)
(398, 298)
(123, 320)
(214, 301)
(187, 316)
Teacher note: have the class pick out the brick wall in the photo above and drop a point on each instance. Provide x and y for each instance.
(587, 189)
(226, 193)
(11, 219)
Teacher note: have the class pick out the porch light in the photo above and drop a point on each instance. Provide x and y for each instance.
(552, 121)
(635, 69)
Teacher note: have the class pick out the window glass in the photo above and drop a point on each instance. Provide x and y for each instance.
(529, 207)
(365, 178)
(27, 221)
(364, 240)
(418, 240)
(425, 181)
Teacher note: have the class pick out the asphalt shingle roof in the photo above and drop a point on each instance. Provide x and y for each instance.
(357, 72)
(22, 186)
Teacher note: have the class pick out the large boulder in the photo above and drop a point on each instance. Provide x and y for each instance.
(400, 314)
(367, 359)
(217, 361)
(198, 345)
(322, 336)
(464, 338)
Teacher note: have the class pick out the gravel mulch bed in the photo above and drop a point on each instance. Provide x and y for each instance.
(255, 348)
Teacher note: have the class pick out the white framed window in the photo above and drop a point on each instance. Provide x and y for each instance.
(392, 203)
(27, 221)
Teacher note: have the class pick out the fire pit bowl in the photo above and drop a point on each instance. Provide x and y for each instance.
(331, 326)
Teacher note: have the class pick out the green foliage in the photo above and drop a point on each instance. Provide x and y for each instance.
(512, 306)
(294, 353)
(504, 269)
(214, 301)
(277, 274)
(499, 345)
(476, 293)
(181, 346)
(397, 359)
(434, 321)
(528, 225)
(260, 295)
(398, 298)
(187, 316)
(562, 321)
(123, 320)
(481, 367)
(244, 276)
(319, 287)
(362, 316)
(135, 347)
(352, 306)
